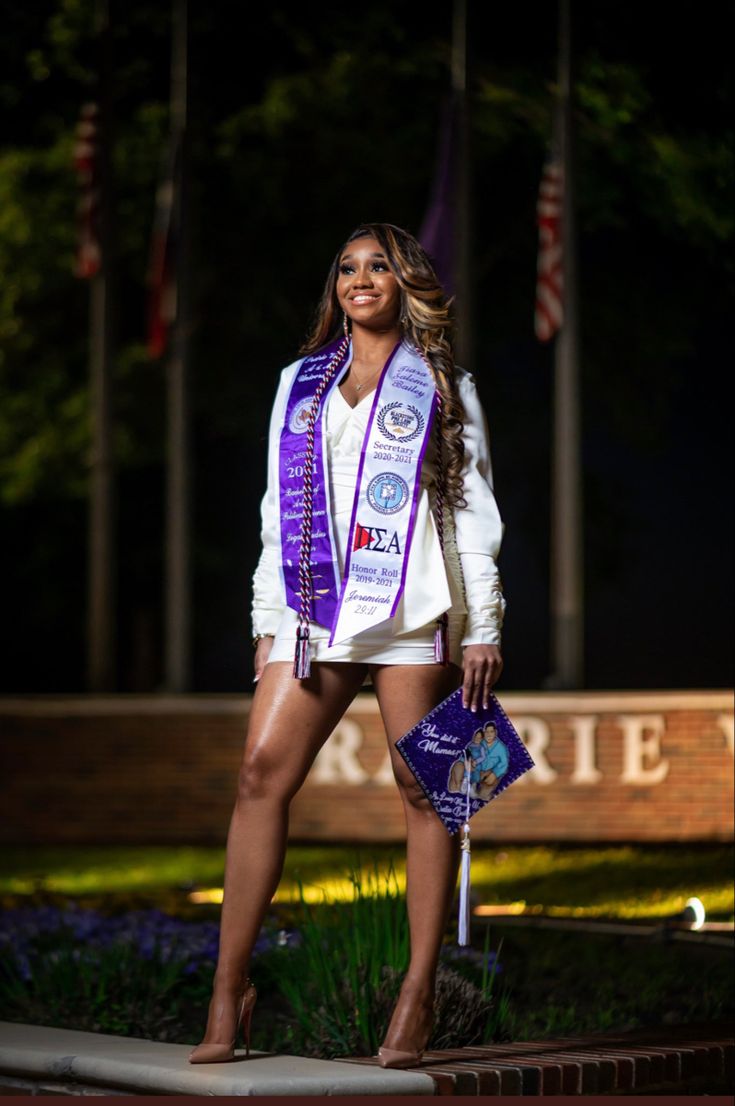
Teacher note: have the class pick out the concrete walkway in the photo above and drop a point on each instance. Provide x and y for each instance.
(70, 1061)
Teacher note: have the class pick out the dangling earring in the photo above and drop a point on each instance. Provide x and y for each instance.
(345, 325)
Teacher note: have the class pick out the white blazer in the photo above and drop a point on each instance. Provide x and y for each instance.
(466, 578)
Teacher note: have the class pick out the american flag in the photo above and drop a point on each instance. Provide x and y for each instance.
(162, 261)
(88, 257)
(550, 273)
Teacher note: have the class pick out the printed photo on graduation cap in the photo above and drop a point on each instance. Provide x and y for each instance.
(463, 759)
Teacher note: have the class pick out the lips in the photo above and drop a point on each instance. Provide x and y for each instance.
(365, 297)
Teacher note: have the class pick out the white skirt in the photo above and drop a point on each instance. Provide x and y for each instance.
(378, 645)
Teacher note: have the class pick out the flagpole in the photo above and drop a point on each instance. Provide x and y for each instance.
(463, 254)
(178, 589)
(101, 568)
(567, 609)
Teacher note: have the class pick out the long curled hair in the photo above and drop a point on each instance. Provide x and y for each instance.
(425, 322)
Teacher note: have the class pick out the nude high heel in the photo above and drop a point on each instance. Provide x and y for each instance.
(401, 1058)
(397, 1058)
(213, 1053)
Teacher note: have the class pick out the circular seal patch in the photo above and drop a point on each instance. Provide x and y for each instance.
(401, 422)
(300, 416)
(387, 492)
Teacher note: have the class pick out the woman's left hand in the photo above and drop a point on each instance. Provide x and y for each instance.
(482, 666)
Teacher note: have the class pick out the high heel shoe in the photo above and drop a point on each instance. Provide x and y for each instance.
(397, 1058)
(400, 1058)
(212, 1053)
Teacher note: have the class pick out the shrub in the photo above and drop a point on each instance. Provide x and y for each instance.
(343, 981)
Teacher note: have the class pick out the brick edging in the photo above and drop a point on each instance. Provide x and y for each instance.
(669, 1058)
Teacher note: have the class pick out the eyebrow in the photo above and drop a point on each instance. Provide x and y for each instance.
(346, 256)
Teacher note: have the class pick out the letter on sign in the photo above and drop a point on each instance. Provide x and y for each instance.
(337, 761)
(583, 730)
(535, 734)
(642, 735)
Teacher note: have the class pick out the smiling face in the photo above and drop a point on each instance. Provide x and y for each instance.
(367, 290)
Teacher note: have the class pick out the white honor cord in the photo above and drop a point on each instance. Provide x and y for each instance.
(464, 886)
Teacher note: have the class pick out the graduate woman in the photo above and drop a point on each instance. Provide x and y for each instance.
(380, 537)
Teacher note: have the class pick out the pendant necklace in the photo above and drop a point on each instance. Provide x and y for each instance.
(359, 386)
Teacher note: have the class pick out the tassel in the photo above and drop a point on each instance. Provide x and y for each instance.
(463, 937)
(464, 889)
(441, 646)
(302, 656)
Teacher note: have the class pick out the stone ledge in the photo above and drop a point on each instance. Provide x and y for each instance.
(38, 1059)
(66, 1058)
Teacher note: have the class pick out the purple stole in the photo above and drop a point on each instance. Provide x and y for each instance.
(387, 487)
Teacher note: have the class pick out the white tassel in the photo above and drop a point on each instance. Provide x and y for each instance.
(464, 885)
(464, 889)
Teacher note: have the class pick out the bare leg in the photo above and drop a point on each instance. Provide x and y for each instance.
(405, 694)
(289, 722)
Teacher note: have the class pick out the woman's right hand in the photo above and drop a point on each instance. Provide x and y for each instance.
(262, 652)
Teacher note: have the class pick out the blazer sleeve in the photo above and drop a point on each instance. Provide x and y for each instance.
(269, 600)
(478, 526)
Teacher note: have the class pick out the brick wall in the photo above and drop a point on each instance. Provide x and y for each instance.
(610, 766)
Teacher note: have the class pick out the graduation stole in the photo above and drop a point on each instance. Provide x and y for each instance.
(405, 406)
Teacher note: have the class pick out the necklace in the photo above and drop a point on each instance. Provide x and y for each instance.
(362, 384)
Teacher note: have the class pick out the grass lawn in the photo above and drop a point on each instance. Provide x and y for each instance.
(568, 983)
(623, 881)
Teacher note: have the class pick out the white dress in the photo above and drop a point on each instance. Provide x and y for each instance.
(464, 582)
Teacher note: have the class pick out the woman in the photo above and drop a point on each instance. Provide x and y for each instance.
(380, 537)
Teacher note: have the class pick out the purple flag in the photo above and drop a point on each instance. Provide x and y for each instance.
(439, 228)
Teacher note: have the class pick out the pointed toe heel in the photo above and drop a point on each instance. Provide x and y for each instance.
(398, 1058)
(213, 1053)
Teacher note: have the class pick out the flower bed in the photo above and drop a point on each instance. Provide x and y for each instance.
(328, 974)
(326, 986)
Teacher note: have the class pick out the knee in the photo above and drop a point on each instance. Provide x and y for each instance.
(417, 800)
(411, 790)
(259, 777)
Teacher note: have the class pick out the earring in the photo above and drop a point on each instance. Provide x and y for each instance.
(345, 325)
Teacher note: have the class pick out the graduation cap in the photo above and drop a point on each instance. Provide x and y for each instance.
(463, 759)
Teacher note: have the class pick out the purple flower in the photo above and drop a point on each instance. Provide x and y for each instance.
(27, 931)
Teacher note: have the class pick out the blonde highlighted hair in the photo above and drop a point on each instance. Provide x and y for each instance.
(425, 322)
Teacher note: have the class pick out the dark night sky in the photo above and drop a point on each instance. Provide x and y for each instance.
(655, 341)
